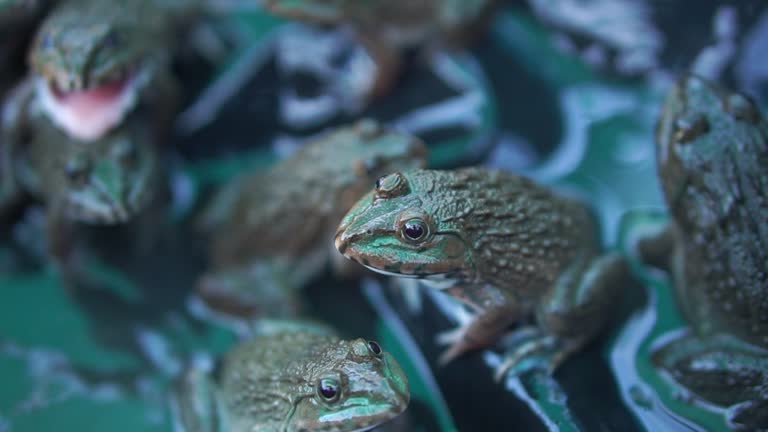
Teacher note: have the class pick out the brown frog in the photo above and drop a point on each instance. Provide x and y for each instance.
(387, 28)
(294, 376)
(274, 230)
(712, 151)
(105, 182)
(513, 251)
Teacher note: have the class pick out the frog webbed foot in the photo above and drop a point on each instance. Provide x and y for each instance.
(750, 415)
(532, 348)
(722, 370)
(475, 334)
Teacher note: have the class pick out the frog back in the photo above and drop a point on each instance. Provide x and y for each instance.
(522, 235)
(727, 242)
(713, 153)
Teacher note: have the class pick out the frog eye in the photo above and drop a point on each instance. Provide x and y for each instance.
(741, 108)
(78, 171)
(328, 389)
(391, 185)
(688, 128)
(414, 230)
(375, 348)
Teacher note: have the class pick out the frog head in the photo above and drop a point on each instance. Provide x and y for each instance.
(104, 182)
(410, 226)
(356, 386)
(90, 64)
(706, 136)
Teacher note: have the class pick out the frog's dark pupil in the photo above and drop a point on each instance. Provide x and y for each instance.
(378, 183)
(414, 230)
(375, 348)
(328, 389)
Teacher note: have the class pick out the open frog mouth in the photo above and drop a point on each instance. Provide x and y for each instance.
(87, 114)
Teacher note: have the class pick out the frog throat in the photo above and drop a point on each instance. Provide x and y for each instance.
(87, 114)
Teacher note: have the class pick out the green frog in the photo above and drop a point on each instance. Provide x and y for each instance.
(294, 376)
(387, 28)
(712, 153)
(511, 250)
(104, 182)
(95, 61)
(274, 230)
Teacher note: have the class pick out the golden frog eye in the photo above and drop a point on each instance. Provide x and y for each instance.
(391, 185)
(375, 348)
(688, 128)
(328, 389)
(414, 230)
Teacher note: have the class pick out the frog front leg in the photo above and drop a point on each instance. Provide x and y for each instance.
(387, 59)
(60, 233)
(572, 313)
(495, 313)
(194, 402)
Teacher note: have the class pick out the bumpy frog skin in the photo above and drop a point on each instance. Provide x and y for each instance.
(279, 225)
(94, 60)
(387, 27)
(712, 150)
(295, 380)
(508, 248)
(104, 182)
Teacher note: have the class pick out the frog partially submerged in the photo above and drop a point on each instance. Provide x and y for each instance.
(94, 61)
(272, 231)
(712, 151)
(512, 250)
(294, 377)
(104, 182)
(388, 28)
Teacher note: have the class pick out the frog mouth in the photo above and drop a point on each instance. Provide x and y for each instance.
(87, 114)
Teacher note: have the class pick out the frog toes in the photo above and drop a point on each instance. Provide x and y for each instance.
(538, 352)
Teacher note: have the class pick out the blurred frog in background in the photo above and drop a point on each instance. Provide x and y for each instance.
(619, 34)
(272, 231)
(93, 62)
(294, 376)
(105, 182)
(513, 251)
(712, 153)
(388, 28)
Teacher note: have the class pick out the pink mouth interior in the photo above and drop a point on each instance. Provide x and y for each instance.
(89, 102)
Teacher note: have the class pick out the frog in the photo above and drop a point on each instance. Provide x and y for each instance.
(388, 29)
(511, 250)
(105, 182)
(620, 34)
(93, 62)
(294, 375)
(272, 231)
(711, 151)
